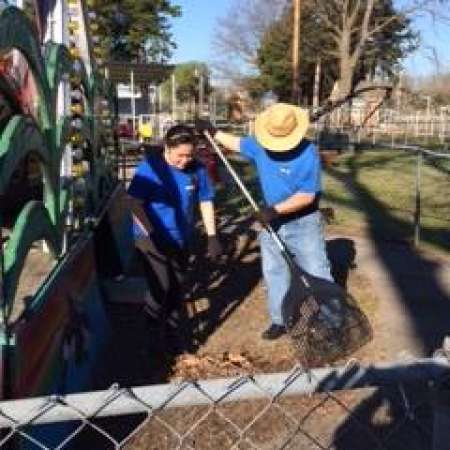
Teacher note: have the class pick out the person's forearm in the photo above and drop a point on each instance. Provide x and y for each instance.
(294, 203)
(208, 217)
(228, 140)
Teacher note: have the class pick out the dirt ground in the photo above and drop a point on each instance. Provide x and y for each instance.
(231, 314)
(404, 304)
(404, 292)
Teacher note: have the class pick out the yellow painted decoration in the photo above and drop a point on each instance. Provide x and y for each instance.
(77, 108)
(75, 52)
(76, 139)
(98, 51)
(78, 170)
(75, 80)
(73, 25)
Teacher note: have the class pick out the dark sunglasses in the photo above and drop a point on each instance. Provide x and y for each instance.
(180, 138)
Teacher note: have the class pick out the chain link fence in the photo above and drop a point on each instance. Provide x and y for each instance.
(411, 184)
(397, 164)
(383, 124)
(392, 406)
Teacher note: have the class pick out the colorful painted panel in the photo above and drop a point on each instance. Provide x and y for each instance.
(58, 338)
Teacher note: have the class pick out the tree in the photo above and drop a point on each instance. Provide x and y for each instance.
(274, 59)
(340, 35)
(187, 80)
(136, 30)
(353, 40)
(367, 34)
(238, 36)
(437, 87)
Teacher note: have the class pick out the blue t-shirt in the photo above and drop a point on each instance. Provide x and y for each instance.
(169, 196)
(283, 174)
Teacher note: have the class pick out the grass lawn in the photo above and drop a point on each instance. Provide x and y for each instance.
(377, 189)
(374, 189)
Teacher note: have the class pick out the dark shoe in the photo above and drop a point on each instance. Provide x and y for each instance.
(273, 332)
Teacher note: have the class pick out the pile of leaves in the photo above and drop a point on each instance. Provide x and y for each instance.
(194, 367)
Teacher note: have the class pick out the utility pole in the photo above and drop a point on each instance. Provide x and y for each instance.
(213, 111)
(316, 95)
(133, 103)
(296, 53)
(174, 97)
(201, 93)
(196, 92)
(399, 93)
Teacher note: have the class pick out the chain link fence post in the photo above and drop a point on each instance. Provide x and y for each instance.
(441, 419)
(417, 211)
(441, 408)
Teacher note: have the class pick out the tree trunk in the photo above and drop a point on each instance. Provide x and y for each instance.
(345, 84)
(316, 94)
(345, 81)
(346, 71)
(346, 65)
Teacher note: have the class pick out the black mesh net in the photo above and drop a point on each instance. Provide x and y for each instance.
(324, 321)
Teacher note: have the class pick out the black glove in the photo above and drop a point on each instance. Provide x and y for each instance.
(202, 125)
(215, 248)
(266, 215)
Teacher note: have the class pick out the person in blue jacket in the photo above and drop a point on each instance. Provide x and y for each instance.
(165, 192)
(289, 171)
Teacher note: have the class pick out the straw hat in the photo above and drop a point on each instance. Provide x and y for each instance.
(281, 127)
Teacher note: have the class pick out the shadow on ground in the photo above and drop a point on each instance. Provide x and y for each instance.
(222, 287)
(424, 299)
(142, 350)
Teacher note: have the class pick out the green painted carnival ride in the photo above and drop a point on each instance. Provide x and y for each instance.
(58, 111)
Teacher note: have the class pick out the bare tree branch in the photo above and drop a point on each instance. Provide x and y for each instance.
(355, 12)
(330, 105)
(364, 34)
(239, 33)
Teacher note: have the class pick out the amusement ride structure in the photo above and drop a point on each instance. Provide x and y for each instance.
(57, 122)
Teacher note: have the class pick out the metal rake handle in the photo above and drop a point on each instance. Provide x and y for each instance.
(244, 190)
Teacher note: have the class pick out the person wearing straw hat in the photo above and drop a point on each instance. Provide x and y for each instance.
(289, 172)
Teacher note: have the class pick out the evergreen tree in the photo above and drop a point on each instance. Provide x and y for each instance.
(136, 30)
(320, 35)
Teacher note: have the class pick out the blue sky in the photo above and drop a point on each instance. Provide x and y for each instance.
(434, 36)
(194, 32)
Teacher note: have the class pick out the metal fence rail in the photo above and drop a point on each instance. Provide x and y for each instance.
(320, 409)
(438, 159)
(423, 156)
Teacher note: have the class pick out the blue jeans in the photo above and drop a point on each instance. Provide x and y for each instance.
(305, 241)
